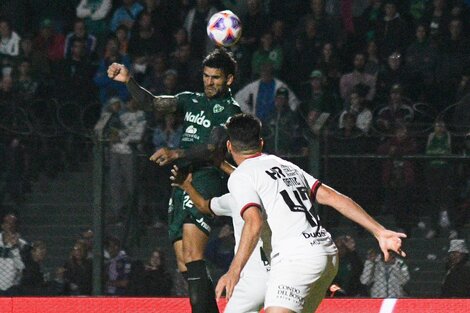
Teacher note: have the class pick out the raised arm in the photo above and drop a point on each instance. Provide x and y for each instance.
(147, 101)
(388, 240)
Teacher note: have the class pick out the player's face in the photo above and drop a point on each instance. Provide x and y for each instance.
(215, 82)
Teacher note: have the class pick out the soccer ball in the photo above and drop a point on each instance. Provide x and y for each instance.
(224, 28)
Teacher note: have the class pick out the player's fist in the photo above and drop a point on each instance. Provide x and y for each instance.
(118, 72)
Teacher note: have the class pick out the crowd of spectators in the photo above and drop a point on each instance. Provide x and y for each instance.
(392, 78)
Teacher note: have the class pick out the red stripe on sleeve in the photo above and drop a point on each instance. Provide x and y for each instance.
(313, 191)
(249, 205)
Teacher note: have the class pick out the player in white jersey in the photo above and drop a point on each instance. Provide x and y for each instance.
(248, 295)
(304, 258)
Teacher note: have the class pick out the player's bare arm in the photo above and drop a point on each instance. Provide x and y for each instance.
(388, 240)
(185, 183)
(147, 101)
(249, 238)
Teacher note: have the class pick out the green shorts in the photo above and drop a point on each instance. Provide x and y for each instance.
(209, 182)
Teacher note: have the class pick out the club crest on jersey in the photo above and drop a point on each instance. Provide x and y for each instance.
(199, 119)
(191, 130)
(217, 108)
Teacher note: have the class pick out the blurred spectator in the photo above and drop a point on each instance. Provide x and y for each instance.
(417, 9)
(392, 74)
(167, 134)
(139, 67)
(80, 32)
(16, 168)
(33, 281)
(257, 97)
(162, 19)
(350, 268)
(280, 36)
(122, 36)
(40, 67)
(438, 176)
(421, 60)
(152, 278)
(10, 40)
(398, 177)
(281, 131)
(94, 13)
(386, 279)
(437, 17)
(180, 38)
(122, 167)
(395, 113)
(358, 107)
(145, 39)
(126, 14)
(75, 75)
(11, 264)
(454, 58)
(455, 283)
(117, 270)
(357, 76)
(330, 65)
(107, 87)
(327, 25)
(87, 237)
(49, 42)
(154, 80)
(373, 64)
(26, 85)
(187, 65)
(370, 18)
(196, 24)
(255, 22)
(391, 32)
(18, 13)
(311, 44)
(78, 271)
(319, 99)
(267, 53)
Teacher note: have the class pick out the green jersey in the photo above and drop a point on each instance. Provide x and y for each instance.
(202, 114)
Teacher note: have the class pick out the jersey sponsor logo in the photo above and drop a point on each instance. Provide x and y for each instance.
(191, 130)
(199, 119)
(290, 294)
(321, 233)
(217, 108)
(203, 224)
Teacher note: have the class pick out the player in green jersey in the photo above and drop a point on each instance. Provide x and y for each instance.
(204, 114)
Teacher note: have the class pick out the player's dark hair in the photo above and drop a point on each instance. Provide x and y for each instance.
(221, 59)
(244, 132)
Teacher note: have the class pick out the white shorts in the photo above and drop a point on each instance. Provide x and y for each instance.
(300, 283)
(248, 295)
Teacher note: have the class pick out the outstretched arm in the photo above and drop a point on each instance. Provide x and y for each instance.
(146, 100)
(388, 240)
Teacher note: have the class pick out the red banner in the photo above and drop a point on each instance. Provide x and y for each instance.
(181, 305)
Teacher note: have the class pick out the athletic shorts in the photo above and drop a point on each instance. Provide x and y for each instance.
(248, 295)
(300, 284)
(209, 182)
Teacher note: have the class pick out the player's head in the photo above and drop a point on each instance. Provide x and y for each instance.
(244, 132)
(218, 70)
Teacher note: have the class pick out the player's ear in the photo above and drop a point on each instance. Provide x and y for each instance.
(229, 146)
(261, 143)
(230, 79)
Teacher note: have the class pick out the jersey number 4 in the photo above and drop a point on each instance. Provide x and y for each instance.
(301, 197)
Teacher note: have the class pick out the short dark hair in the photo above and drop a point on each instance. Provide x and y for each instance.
(220, 58)
(244, 132)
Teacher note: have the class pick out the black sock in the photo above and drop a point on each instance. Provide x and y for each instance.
(185, 275)
(201, 290)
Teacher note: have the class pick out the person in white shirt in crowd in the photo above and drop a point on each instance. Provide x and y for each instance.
(358, 107)
(385, 278)
(125, 138)
(257, 98)
(9, 40)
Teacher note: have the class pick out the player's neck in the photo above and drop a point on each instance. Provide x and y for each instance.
(239, 158)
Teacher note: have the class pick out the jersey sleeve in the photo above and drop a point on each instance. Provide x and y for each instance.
(243, 192)
(220, 206)
(313, 184)
(183, 99)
